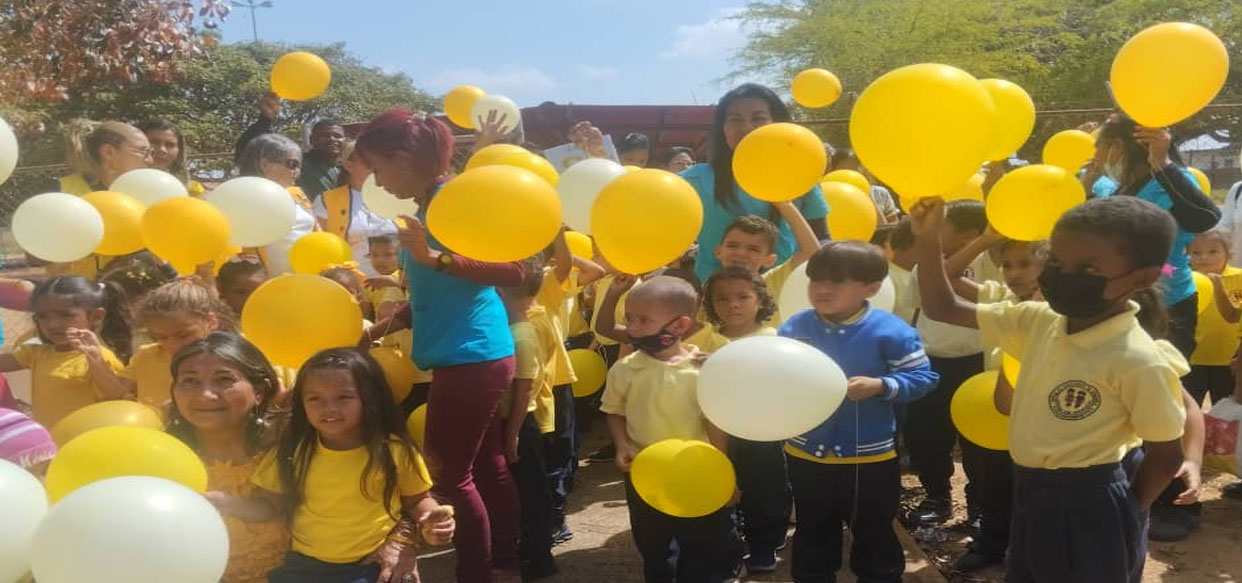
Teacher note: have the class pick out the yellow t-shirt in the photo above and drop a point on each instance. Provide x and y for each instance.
(601, 290)
(556, 299)
(550, 345)
(707, 339)
(1217, 339)
(404, 342)
(336, 522)
(254, 547)
(657, 398)
(384, 295)
(150, 369)
(60, 380)
(1086, 398)
(775, 279)
(528, 365)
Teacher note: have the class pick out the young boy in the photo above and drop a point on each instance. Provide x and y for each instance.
(1095, 385)
(845, 471)
(750, 242)
(650, 397)
(898, 244)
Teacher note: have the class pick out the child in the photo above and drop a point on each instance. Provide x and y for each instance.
(71, 369)
(738, 303)
(750, 242)
(347, 477)
(237, 279)
(386, 292)
(701, 336)
(1216, 334)
(1100, 385)
(899, 249)
(382, 252)
(845, 471)
(650, 397)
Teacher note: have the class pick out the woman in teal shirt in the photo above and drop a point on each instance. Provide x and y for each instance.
(740, 112)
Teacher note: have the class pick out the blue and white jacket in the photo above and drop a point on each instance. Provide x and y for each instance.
(876, 344)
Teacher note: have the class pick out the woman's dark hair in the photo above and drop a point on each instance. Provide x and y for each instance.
(767, 304)
(1136, 170)
(116, 331)
(721, 155)
(177, 168)
(382, 427)
(633, 141)
(251, 363)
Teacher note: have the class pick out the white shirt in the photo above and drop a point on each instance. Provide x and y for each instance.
(363, 224)
(278, 252)
(1231, 224)
(883, 200)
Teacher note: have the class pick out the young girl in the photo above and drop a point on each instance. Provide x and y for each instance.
(168, 151)
(348, 478)
(354, 282)
(71, 369)
(738, 303)
(1216, 334)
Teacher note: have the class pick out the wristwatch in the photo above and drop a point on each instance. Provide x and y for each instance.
(444, 261)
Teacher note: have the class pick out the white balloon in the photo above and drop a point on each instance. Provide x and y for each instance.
(886, 298)
(8, 151)
(769, 388)
(504, 107)
(579, 186)
(58, 227)
(149, 185)
(129, 530)
(383, 203)
(795, 296)
(260, 211)
(23, 503)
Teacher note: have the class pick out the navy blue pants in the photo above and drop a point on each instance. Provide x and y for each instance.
(865, 498)
(299, 568)
(995, 492)
(530, 475)
(766, 499)
(1075, 525)
(561, 452)
(930, 435)
(686, 550)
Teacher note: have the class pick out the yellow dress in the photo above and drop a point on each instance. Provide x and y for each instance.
(254, 547)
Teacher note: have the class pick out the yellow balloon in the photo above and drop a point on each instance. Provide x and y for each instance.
(105, 414)
(315, 252)
(779, 162)
(185, 231)
(1026, 203)
(923, 129)
(645, 219)
(1207, 293)
(1069, 149)
(299, 76)
(459, 101)
(590, 369)
(815, 88)
(490, 154)
(398, 369)
(579, 245)
(853, 212)
(112, 452)
(632, 168)
(495, 213)
(1011, 368)
(416, 424)
(1168, 72)
(1200, 178)
(681, 478)
(974, 412)
(122, 218)
(293, 316)
(849, 177)
(1015, 118)
(972, 189)
(533, 162)
(229, 253)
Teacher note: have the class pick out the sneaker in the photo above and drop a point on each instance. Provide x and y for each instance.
(562, 535)
(1233, 490)
(604, 454)
(973, 561)
(1172, 525)
(761, 562)
(933, 511)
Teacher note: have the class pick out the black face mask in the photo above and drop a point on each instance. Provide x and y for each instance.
(1075, 295)
(653, 343)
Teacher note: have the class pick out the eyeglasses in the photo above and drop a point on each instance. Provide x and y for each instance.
(143, 153)
(293, 164)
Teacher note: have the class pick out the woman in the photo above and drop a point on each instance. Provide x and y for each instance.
(222, 406)
(168, 151)
(679, 158)
(460, 334)
(277, 158)
(739, 112)
(342, 211)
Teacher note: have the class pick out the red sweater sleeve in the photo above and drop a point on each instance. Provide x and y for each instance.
(484, 273)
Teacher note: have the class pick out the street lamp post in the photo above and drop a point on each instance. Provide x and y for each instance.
(253, 6)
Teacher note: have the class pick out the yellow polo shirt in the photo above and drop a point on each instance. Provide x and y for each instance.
(60, 380)
(707, 339)
(1087, 398)
(775, 279)
(657, 398)
(1217, 339)
(550, 346)
(601, 290)
(556, 299)
(528, 365)
(150, 369)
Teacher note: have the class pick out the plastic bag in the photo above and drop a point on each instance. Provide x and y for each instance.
(1222, 450)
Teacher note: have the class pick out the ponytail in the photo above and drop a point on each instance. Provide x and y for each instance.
(84, 138)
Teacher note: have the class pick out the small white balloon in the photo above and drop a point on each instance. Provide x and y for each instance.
(57, 227)
(795, 296)
(378, 200)
(261, 212)
(886, 298)
(507, 112)
(802, 387)
(580, 184)
(130, 529)
(23, 503)
(149, 185)
(8, 151)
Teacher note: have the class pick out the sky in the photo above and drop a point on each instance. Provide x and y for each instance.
(636, 52)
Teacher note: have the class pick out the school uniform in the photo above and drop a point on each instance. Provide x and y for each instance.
(561, 444)
(530, 473)
(61, 381)
(1215, 343)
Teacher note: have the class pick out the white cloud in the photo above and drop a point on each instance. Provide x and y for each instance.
(720, 35)
(514, 79)
(596, 73)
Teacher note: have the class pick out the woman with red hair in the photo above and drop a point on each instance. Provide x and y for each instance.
(461, 334)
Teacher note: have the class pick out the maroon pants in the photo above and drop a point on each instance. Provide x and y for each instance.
(465, 450)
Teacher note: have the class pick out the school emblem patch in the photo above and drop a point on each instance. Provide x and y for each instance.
(1074, 400)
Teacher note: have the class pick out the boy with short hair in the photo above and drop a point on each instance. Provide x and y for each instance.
(899, 249)
(845, 471)
(750, 242)
(1095, 387)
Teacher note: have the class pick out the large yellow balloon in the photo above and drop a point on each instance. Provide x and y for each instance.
(122, 217)
(1015, 117)
(458, 102)
(1200, 178)
(590, 369)
(399, 370)
(490, 154)
(300, 76)
(416, 424)
(853, 212)
(1168, 72)
(681, 478)
(815, 88)
(923, 129)
(1069, 149)
(579, 245)
(849, 177)
(105, 414)
(1011, 368)
(112, 452)
(1206, 293)
(645, 219)
(315, 252)
(972, 189)
(185, 231)
(533, 162)
(974, 412)
(779, 162)
(495, 213)
(1026, 203)
(293, 316)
